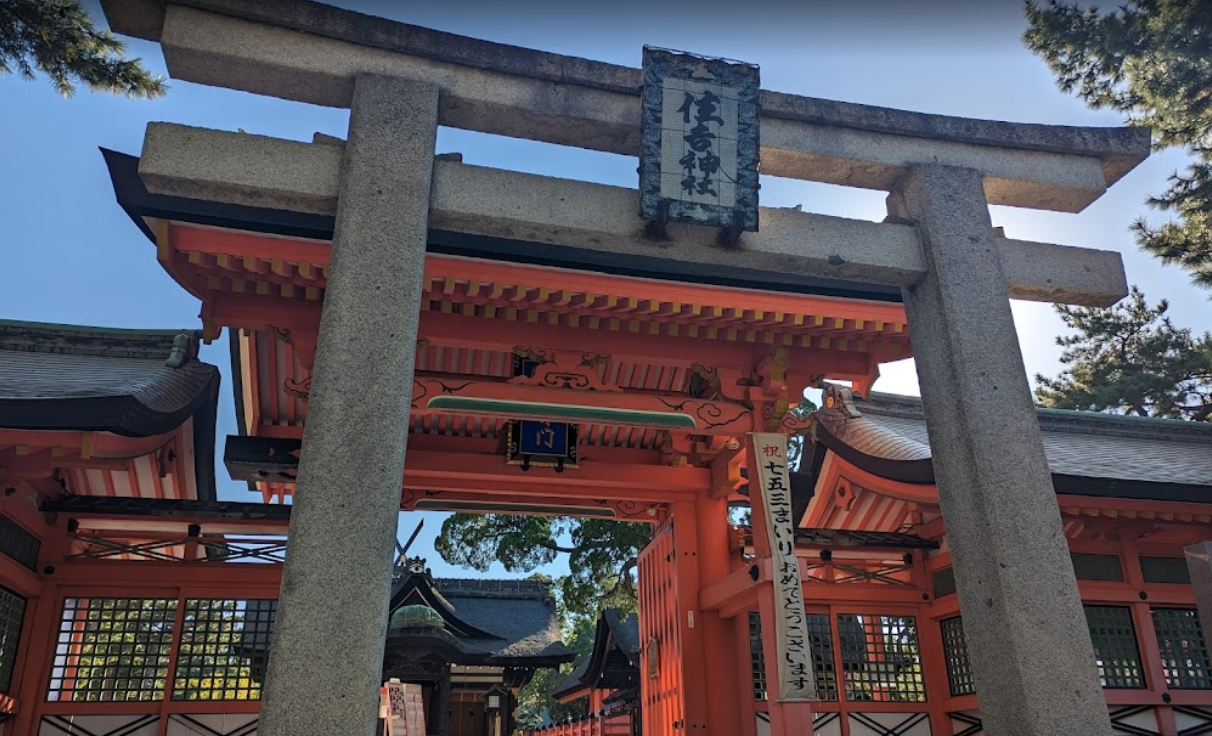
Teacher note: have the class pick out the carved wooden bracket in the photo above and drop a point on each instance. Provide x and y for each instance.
(576, 371)
(303, 344)
(671, 453)
(772, 371)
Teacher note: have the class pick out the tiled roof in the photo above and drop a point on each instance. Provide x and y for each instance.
(626, 633)
(130, 382)
(521, 613)
(1082, 445)
(487, 621)
(623, 635)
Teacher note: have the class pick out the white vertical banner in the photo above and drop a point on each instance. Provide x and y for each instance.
(797, 682)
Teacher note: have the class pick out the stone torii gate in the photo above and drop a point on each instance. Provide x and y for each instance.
(1030, 651)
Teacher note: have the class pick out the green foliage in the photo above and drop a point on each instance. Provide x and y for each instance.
(1130, 359)
(601, 553)
(58, 38)
(1152, 61)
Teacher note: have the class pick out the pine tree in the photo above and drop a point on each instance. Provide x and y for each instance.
(601, 553)
(1130, 359)
(58, 38)
(1152, 61)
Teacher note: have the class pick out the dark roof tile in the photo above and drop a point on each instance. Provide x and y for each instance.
(129, 382)
(1078, 444)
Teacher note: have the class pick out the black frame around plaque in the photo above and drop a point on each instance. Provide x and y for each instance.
(660, 64)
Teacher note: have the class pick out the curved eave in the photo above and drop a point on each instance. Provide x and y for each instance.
(921, 472)
(1120, 488)
(125, 416)
(916, 471)
(409, 641)
(586, 677)
(572, 688)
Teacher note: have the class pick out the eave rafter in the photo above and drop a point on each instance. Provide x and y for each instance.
(213, 263)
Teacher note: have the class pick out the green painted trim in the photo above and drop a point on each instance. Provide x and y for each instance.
(563, 412)
(490, 507)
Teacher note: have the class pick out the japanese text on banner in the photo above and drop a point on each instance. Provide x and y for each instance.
(796, 678)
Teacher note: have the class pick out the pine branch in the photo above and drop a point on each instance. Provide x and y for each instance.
(58, 38)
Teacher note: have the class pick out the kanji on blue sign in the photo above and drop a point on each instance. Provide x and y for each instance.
(699, 160)
(543, 438)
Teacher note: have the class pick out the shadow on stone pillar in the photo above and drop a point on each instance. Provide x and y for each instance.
(327, 651)
(1023, 620)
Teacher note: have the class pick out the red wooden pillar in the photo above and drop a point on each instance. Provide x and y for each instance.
(693, 664)
(36, 650)
(786, 719)
(744, 657)
(660, 684)
(934, 666)
(722, 668)
(38, 647)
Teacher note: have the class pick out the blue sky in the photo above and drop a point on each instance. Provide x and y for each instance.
(71, 255)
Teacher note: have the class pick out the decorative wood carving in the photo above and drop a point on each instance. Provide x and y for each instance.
(840, 399)
(578, 372)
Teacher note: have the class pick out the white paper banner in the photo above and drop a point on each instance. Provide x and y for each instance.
(796, 678)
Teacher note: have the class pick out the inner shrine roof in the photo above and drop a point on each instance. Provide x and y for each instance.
(1089, 453)
(497, 621)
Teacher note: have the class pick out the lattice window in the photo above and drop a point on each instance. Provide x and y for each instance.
(821, 640)
(880, 657)
(1184, 652)
(12, 613)
(757, 659)
(955, 652)
(223, 650)
(881, 660)
(113, 649)
(821, 637)
(18, 543)
(1115, 650)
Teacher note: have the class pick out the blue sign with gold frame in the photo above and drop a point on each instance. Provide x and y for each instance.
(538, 443)
(700, 141)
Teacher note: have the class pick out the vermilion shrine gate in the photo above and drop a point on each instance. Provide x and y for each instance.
(514, 343)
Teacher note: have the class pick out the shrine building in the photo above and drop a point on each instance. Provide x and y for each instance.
(410, 331)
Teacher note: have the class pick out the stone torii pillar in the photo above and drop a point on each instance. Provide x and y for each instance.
(332, 622)
(1023, 619)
